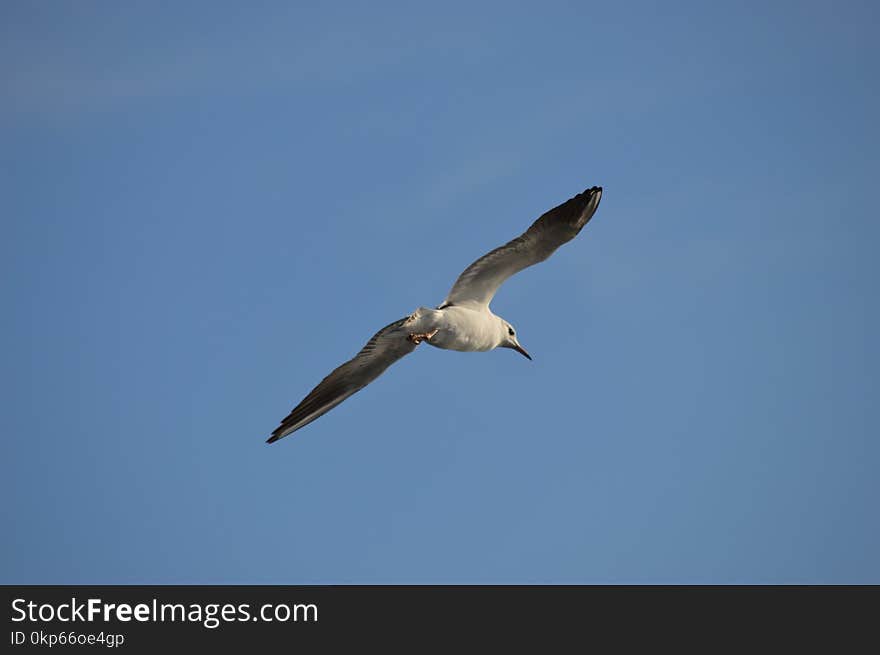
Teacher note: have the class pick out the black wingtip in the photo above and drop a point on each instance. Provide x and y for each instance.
(587, 196)
(583, 206)
(273, 438)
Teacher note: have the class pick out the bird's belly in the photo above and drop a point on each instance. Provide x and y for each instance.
(452, 339)
(456, 328)
(458, 331)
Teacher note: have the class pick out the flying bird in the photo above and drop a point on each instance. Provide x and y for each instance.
(462, 322)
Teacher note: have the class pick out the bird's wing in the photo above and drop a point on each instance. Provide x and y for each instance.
(387, 346)
(479, 281)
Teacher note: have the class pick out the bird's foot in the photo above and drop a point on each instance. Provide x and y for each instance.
(417, 338)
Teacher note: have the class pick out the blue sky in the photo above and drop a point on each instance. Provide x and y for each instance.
(208, 207)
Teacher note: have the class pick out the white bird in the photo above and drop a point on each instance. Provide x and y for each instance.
(461, 322)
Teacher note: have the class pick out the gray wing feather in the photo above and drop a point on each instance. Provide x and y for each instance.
(479, 281)
(387, 346)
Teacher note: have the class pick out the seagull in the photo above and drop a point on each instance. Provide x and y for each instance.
(462, 322)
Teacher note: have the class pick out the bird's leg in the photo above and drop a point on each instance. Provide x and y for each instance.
(417, 338)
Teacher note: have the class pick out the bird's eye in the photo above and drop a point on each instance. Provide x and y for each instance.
(510, 331)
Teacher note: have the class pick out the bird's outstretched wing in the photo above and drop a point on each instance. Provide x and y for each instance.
(387, 346)
(479, 281)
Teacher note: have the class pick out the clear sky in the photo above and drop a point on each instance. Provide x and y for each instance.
(208, 206)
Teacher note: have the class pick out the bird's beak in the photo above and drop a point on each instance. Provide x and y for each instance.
(522, 351)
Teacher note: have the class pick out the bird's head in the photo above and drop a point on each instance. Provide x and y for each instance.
(510, 340)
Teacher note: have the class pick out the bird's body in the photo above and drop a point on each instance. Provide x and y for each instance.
(462, 322)
(466, 328)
